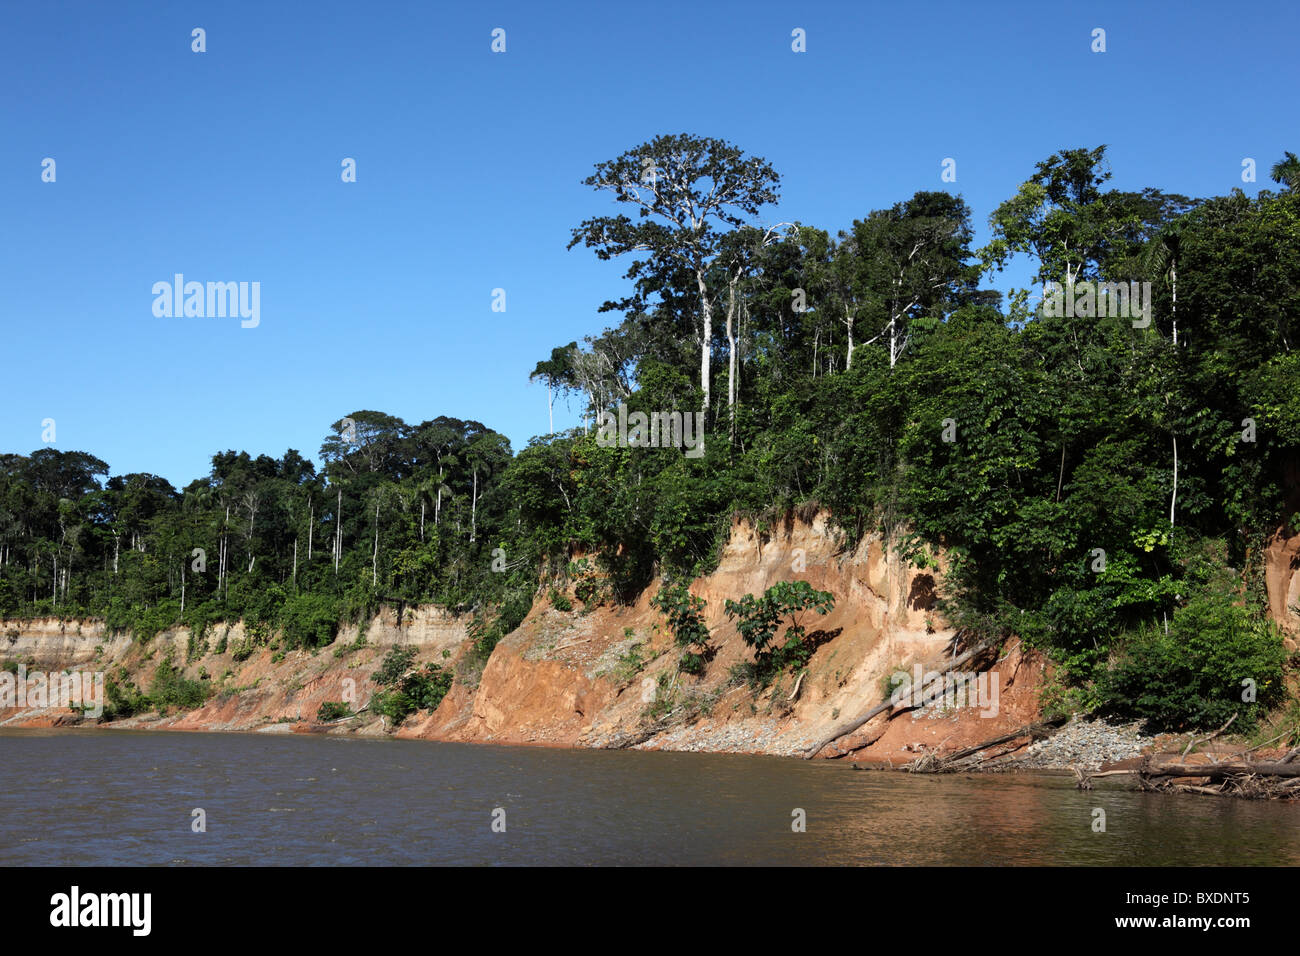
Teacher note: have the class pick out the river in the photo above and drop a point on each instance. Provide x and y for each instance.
(106, 797)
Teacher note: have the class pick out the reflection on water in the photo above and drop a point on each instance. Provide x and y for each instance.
(126, 797)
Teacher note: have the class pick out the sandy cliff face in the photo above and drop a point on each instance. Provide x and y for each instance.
(258, 693)
(1282, 577)
(606, 677)
(558, 678)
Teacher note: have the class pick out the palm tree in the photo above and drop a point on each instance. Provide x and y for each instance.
(1286, 171)
(1162, 260)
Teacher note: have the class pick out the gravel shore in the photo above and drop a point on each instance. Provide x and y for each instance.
(1083, 743)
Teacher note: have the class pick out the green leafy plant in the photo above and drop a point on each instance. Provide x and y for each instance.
(685, 619)
(759, 618)
(332, 710)
(1216, 660)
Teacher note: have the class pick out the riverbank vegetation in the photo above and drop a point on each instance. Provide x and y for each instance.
(1101, 477)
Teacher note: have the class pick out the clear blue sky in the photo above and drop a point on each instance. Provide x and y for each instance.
(225, 165)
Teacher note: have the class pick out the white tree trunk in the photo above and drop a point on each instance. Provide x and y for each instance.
(706, 343)
(1174, 497)
(848, 324)
(374, 565)
(1173, 275)
(731, 360)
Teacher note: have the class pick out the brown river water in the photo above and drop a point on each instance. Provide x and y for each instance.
(104, 797)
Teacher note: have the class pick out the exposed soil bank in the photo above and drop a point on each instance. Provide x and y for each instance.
(607, 677)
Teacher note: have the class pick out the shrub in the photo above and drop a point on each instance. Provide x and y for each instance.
(758, 620)
(394, 666)
(421, 690)
(123, 698)
(309, 620)
(172, 689)
(685, 618)
(332, 710)
(1192, 677)
(628, 665)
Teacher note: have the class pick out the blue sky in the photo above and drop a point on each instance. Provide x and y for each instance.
(225, 165)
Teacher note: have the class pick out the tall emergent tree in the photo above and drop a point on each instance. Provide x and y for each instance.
(688, 192)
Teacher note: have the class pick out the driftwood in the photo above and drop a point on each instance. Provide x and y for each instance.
(560, 647)
(795, 693)
(1216, 771)
(851, 725)
(1035, 731)
(1194, 741)
(344, 720)
(1233, 777)
(1271, 740)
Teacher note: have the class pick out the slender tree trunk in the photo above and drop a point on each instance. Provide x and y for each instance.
(422, 519)
(1061, 475)
(731, 361)
(893, 327)
(473, 508)
(295, 561)
(225, 553)
(117, 541)
(182, 585)
(374, 560)
(1174, 497)
(1173, 275)
(311, 519)
(338, 531)
(550, 406)
(706, 345)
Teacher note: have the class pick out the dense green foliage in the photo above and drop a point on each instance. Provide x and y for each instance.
(759, 618)
(399, 514)
(169, 688)
(685, 619)
(332, 710)
(408, 690)
(1076, 468)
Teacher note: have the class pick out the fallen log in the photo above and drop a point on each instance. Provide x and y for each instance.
(795, 693)
(1034, 731)
(1194, 741)
(1219, 770)
(1240, 778)
(849, 726)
